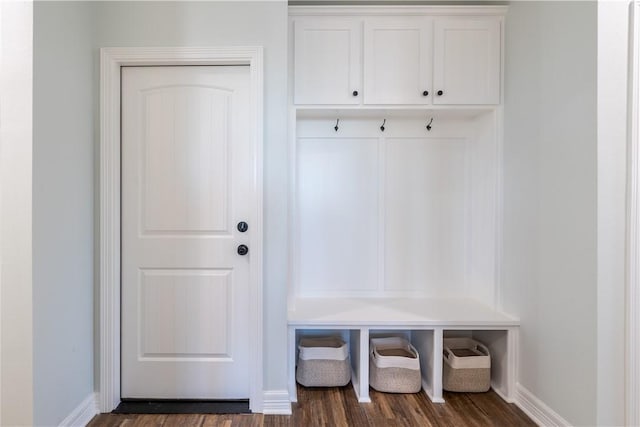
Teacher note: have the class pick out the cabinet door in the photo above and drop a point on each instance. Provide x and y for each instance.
(466, 61)
(397, 60)
(327, 61)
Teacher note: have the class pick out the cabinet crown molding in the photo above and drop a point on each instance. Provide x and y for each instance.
(369, 10)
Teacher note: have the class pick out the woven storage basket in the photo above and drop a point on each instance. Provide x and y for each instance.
(467, 365)
(394, 366)
(323, 362)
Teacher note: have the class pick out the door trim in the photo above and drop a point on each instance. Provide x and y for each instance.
(111, 61)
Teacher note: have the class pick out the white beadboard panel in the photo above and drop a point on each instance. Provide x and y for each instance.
(185, 152)
(178, 309)
(337, 202)
(425, 215)
(482, 240)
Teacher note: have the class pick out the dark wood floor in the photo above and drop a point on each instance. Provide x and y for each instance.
(338, 407)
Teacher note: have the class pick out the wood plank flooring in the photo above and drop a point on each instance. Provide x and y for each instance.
(338, 407)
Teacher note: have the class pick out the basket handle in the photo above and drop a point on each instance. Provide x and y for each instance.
(482, 349)
(410, 348)
(374, 352)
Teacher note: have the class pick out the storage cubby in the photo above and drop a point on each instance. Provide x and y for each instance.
(349, 336)
(428, 341)
(501, 344)
(424, 340)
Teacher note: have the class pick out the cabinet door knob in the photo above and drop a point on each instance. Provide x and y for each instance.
(355, 93)
(440, 93)
(243, 250)
(425, 93)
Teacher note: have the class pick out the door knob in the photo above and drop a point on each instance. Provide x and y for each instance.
(355, 93)
(425, 93)
(440, 93)
(243, 250)
(243, 226)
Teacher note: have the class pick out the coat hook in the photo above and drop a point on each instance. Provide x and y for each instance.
(382, 127)
(336, 126)
(429, 125)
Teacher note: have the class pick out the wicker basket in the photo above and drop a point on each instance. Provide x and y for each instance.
(323, 362)
(466, 367)
(394, 366)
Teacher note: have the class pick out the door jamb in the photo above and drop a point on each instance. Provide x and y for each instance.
(111, 61)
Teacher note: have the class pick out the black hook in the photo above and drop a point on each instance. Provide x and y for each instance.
(429, 125)
(336, 126)
(382, 127)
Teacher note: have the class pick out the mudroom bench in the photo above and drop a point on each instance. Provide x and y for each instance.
(423, 321)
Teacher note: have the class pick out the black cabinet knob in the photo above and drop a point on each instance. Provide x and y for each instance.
(355, 93)
(440, 93)
(425, 93)
(243, 250)
(243, 226)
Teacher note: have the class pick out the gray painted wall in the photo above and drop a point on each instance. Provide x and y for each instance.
(68, 36)
(63, 214)
(549, 268)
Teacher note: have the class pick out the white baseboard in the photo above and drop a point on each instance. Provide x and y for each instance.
(502, 395)
(276, 402)
(83, 413)
(540, 413)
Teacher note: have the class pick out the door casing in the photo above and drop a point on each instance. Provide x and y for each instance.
(111, 61)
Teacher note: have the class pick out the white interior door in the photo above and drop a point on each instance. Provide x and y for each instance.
(187, 181)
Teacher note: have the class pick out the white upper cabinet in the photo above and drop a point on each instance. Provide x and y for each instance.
(397, 60)
(466, 61)
(396, 56)
(327, 60)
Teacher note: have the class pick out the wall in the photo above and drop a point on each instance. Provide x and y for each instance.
(549, 267)
(16, 369)
(613, 25)
(68, 36)
(63, 188)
